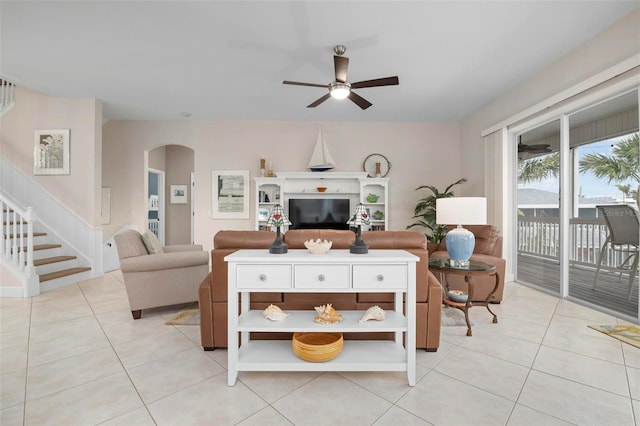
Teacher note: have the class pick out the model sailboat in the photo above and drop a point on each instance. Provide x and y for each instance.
(321, 159)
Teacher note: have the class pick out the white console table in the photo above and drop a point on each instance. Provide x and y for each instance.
(392, 271)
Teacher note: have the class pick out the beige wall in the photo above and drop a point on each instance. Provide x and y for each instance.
(179, 162)
(617, 43)
(80, 190)
(420, 153)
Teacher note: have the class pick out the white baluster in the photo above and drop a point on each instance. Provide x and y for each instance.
(30, 217)
(3, 206)
(14, 227)
(7, 232)
(21, 244)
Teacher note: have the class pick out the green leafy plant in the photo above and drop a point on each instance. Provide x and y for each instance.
(425, 211)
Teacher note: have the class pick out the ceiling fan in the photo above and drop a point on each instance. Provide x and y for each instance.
(340, 88)
(537, 148)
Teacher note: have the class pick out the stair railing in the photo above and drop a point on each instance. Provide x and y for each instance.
(6, 95)
(16, 236)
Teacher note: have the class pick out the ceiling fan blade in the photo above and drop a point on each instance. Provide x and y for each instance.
(543, 147)
(297, 83)
(341, 63)
(387, 81)
(359, 100)
(319, 101)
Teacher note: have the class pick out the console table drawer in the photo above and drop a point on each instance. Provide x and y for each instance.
(264, 276)
(322, 276)
(379, 276)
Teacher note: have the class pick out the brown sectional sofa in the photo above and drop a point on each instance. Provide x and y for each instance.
(488, 249)
(213, 289)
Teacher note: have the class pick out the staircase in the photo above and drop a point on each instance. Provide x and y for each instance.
(52, 265)
(36, 255)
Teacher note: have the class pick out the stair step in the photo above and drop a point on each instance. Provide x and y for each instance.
(49, 260)
(63, 273)
(35, 234)
(37, 247)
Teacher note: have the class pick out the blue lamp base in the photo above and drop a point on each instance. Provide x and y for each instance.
(460, 244)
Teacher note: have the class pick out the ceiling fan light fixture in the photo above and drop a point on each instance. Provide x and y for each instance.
(339, 90)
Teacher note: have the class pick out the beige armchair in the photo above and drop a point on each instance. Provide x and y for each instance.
(161, 279)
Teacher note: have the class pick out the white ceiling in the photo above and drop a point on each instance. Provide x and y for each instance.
(226, 60)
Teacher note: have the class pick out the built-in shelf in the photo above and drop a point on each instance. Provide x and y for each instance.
(355, 187)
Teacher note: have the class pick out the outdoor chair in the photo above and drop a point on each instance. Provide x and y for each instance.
(623, 235)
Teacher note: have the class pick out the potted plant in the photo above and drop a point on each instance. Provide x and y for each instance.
(425, 211)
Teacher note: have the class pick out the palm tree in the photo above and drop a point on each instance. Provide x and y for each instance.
(625, 189)
(622, 164)
(539, 168)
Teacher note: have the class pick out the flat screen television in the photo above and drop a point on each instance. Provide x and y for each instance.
(318, 213)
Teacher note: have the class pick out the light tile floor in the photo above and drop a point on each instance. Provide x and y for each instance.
(74, 356)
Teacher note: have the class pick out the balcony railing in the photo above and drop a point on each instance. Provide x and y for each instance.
(540, 236)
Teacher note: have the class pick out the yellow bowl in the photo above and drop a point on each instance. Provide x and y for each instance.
(317, 347)
(321, 189)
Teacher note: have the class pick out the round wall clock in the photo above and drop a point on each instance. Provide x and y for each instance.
(372, 161)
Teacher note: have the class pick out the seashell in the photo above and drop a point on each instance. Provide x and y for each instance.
(374, 313)
(317, 246)
(327, 315)
(274, 313)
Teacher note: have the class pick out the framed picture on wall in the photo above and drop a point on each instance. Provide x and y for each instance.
(230, 194)
(51, 152)
(178, 194)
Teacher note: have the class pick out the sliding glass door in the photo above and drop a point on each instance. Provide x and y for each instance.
(605, 172)
(538, 208)
(563, 241)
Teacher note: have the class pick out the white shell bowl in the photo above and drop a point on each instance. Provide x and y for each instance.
(317, 246)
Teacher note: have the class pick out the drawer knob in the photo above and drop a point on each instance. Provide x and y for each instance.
(262, 277)
(321, 277)
(380, 277)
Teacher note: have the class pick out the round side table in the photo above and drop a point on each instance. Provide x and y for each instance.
(444, 266)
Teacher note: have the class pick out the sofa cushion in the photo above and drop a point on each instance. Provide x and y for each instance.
(390, 240)
(243, 239)
(152, 243)
(129, 244)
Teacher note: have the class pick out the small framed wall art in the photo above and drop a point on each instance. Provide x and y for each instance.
(178, 194)
(230, 194)
(51, 152)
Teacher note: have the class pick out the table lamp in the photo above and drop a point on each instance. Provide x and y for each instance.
(277, 218)
(360, 217)
(459, 211)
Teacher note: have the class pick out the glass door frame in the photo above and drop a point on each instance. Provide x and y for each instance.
(566, 177)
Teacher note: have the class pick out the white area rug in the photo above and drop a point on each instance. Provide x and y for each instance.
(452, 317)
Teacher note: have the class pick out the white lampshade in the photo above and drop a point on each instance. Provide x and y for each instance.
(461, 211)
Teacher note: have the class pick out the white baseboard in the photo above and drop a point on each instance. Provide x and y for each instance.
(12, 292)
